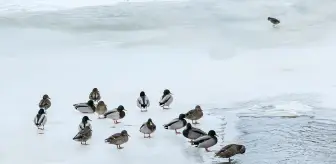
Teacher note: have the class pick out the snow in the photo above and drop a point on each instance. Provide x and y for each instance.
(226, 72)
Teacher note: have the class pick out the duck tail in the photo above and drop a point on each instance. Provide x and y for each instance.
(165, 126)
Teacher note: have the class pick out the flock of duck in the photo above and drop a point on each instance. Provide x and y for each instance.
(197, 137)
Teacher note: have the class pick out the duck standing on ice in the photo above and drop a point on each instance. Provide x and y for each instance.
(206, 141)
(192, 132)
(148, 128)
(85, 122)
(83, 135)
(274, 21)
(230, 150)
(101, 108)
(118, 139)
(40, 119)
(45, 103)
(166, 99)
(176, 123)
(94, 95)
(116, 114)
(195, 114)
(88, 107)
(143, 102)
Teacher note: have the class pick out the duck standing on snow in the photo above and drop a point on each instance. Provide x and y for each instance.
(176, 123)
(88, 107)
(101, 108)
(85, 122)
(118, 139)
(148, 128)
(230, 150)
(40, 119)
(45, 103)
(94, 95)
(84, 135)
(166, 99)
(274, 21)
(116, 114)
(192, 132)
(195, 114)
(206, 141)
(143, 102)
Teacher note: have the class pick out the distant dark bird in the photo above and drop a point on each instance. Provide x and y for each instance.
(274, 21)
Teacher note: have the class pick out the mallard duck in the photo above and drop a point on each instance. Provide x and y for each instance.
(116, 114)
(45, 103)
(40, 119)
(206, 141)
(94, 95)
(194, 114)
(88, 107)
(84, 135)
(274, 21)
(84, 123)
(176, 123)
(118, 139)
(148, 128)
(192, 132)
(101, 108)
(230, 150)
(143, 102)
(166, 99)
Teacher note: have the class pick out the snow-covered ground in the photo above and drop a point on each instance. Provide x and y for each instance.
(223, 55)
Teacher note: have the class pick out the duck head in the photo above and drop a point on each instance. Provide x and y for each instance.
(102, 103)
(166, 92)
(198, 108)
(94, 90)
(182, 116)
(124, 133)
(85, 119)
(120, 108)
(142, 94)
(189, 126)
(212, 133)
(241, 149)
(90, 103)
(46, 96)
(150, 122)
(41, 111)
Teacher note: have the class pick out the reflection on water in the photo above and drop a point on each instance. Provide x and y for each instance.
(278, 140)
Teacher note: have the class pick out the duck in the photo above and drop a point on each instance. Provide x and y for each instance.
(274, 21)
(230, 150)
(116, 114)
(148, 128)
(88, 107)
(83, 135)
(40, 119)
(118, 139)
(45, 102)
(101, 108)
(176, 123)
(192, 132)
(194, 114)
(84, 123)
(166, 99)
(206, 141)
(94, 95)
(143, 102)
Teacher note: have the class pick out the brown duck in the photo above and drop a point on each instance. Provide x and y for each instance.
(45, 102)
(101, 108)
(118, 139)
(194, 114)
(94, 95)
(230, 150)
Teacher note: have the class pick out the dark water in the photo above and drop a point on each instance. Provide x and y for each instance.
(279, 140)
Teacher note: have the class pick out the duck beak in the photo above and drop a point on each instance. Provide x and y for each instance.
(128, 135)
